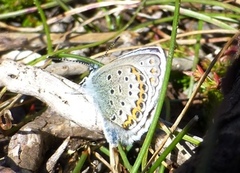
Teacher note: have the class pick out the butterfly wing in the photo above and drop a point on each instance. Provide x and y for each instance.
(126, 92)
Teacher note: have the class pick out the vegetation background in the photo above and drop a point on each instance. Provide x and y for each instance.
(192, 32)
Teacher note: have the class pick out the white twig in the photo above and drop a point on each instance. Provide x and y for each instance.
(60, 94)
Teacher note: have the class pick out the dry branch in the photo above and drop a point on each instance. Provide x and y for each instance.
(61, 95)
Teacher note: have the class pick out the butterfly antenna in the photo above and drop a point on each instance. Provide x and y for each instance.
(54, 59)
(111, 46)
